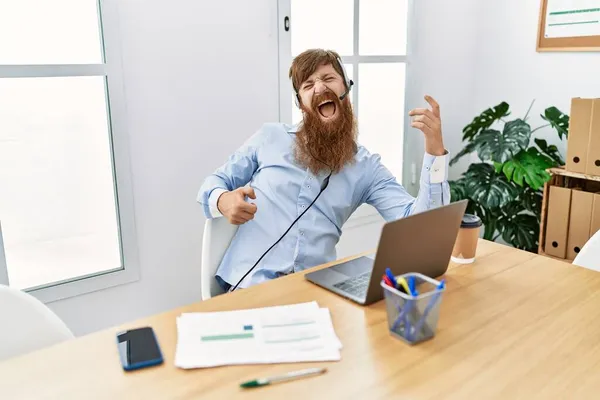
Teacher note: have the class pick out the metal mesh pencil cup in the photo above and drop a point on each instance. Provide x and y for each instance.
(413, 318)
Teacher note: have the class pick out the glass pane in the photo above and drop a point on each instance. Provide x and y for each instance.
(297, 114)
(322, 24)
(57, 201)
(382, 29)
(381, 112)
(49, 32)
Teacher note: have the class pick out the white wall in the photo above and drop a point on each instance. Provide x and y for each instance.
(509, 68)
(199, 77)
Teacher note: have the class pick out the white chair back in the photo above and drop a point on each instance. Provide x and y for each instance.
(218, 233)
(27, 324)
(589, 255)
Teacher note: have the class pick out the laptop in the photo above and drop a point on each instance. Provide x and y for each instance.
(421, 242)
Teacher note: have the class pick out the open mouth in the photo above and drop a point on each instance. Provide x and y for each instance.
(327, 109)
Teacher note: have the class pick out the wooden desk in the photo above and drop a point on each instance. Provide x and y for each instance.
(512, 325)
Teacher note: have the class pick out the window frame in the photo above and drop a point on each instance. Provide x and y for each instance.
(112, 71)
(364, 214)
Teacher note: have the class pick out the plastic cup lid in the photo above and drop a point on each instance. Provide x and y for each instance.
(470, 221)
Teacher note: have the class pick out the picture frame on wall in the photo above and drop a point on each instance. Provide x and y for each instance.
(569, 25)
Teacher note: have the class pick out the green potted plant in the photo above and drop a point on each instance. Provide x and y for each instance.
(505, 188)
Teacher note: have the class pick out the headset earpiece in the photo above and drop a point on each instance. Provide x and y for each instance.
(348, 82)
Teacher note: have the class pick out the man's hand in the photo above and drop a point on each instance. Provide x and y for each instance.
(235, 208)
(429, 122)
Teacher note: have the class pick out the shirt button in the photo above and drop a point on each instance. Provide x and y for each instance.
(308, 186)
(301, 233)
(302, 206)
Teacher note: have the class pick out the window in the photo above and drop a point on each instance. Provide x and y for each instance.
(63, 152)
(371, 37)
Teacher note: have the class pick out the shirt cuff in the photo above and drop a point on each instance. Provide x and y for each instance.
(212, 202)
(435, 168)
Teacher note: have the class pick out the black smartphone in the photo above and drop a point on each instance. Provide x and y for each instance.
(138, 348)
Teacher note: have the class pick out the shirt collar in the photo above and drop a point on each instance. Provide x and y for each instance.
(293, 128)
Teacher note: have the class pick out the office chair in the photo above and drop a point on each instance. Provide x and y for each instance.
(27, 324)
(218, 233)
(589, 256)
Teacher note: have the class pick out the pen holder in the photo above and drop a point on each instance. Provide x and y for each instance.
(413, 318)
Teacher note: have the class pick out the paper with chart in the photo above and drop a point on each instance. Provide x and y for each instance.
(570, 18)
(295, 333)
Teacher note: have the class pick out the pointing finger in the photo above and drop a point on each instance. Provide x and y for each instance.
(434, 105)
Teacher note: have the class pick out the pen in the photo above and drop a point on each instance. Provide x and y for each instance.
(389, 274)
(403, 286)
(387, 281)
(411, 286)
(282, 378)
(432, 302)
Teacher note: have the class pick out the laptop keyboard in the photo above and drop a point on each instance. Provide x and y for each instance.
(357, 285)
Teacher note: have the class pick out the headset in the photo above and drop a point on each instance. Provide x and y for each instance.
(347, 82)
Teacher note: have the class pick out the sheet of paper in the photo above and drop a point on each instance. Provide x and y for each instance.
(569, 18)
(295, 333)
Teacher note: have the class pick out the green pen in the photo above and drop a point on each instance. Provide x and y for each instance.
(283, 378)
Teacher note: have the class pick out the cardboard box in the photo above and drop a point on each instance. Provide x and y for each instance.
(595, 225)
(593, 155)
(580, 121)
(579, 222)
(557, 223)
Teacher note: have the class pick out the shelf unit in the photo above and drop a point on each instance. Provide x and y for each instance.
(563, 178)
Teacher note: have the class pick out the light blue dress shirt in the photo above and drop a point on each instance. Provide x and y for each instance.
(285, 188)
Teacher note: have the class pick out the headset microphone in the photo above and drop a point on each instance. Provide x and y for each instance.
(343, 96)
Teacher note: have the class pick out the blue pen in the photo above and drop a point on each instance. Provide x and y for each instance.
(411, 286)
(389, 274)
(432, 302)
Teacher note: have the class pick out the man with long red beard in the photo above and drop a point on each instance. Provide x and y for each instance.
(268, 186)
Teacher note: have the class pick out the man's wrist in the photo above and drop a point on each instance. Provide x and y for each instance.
(435, 148)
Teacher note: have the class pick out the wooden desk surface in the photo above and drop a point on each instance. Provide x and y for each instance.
(512, 325)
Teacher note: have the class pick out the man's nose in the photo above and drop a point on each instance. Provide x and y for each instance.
(319, 87)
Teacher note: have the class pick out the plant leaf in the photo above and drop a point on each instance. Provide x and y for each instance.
(551, 151)
(485, 120)
(520, 230)
(501, 147)
(531, 200)
(488, 188)
(458, 190)
(469, 148)
(530, 166)
(558, 120)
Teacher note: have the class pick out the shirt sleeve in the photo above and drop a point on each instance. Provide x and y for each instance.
(235, 173)
(212, 202)
(392, 200)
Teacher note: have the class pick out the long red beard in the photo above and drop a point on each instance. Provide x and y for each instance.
(326, 145)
